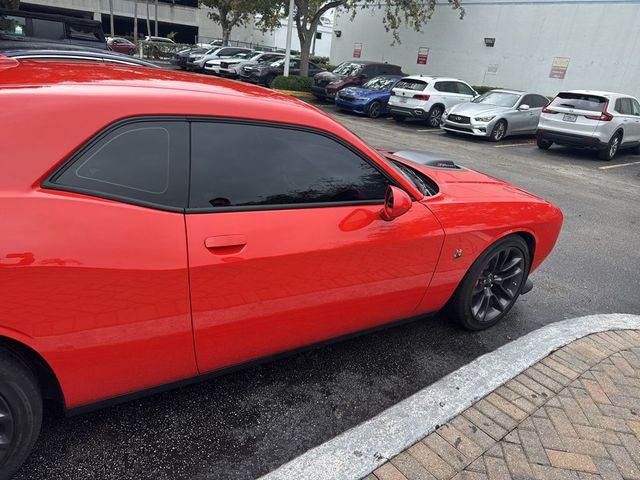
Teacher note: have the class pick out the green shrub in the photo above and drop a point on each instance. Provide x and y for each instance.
(483, 88)
(293, 82)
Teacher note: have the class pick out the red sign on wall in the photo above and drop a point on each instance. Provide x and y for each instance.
(423, 55)
(559, 67)
(357, 50)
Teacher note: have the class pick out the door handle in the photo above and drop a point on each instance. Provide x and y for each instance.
(222, 241)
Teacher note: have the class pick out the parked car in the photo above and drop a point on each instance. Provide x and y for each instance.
(231, 68)
(158, 39)
(196, 61)
(20, 25)
(137, 262)
(181, 57)
(121, 45)
(496, 114)
(371, 99)
(264, 74)
(244, 69)
(426, 98)
(214, 66)
(603, 121)
(353, 72)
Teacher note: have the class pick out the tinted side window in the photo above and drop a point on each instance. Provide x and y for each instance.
(250, 165)
(139, 162)
(48, 29)
(441, 86)
(534, 101)
(464, 89)
(635, 107)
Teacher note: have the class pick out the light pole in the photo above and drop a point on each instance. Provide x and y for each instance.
(287, 57)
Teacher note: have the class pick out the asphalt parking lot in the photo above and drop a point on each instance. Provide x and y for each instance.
(245, 424)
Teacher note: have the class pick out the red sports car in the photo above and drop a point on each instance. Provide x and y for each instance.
(163, 226)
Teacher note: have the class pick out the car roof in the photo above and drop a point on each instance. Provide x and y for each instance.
(85, 97)
(596, 92)
(433, 78)
(509, 90)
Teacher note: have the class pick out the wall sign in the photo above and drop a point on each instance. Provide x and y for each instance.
(423, 55)
(559, 67)
(492, 68)
(357, 50)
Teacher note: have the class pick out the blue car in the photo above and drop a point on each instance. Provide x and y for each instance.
(370, 99)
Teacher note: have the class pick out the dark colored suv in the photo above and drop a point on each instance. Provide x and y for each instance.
(352, 72)
(18, 25)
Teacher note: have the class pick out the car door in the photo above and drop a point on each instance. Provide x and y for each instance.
(286, 245)
(520, 120)
(635, 113)
(447, 94)
(532, 116)
(624, 106)
(464, 92)
(109, 255)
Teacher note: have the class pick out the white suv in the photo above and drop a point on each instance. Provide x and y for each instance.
(426, 98)
(584, 118)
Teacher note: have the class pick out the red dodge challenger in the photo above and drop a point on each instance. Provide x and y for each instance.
(158, 227)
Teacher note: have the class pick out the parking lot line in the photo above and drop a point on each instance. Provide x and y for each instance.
(514, 145)
(618, 165)
(429, 130)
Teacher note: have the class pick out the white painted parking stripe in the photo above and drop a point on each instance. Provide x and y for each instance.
(360, 450)
(618, 165)
(514, 145)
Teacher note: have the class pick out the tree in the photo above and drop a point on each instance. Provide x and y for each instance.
(232, 13)
(308, 13)
(10, 4)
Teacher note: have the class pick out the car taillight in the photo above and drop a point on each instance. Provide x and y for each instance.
(545, 109)
(604, 116)
(421, 96)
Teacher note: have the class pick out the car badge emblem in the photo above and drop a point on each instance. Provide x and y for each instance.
(458, 253)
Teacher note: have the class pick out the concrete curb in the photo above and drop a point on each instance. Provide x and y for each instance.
(360, 450)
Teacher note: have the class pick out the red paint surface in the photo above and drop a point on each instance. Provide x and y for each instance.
(101, 289)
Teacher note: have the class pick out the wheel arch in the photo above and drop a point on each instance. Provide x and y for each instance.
(438, 104)
(47, 379)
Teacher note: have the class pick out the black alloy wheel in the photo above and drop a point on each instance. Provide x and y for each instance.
(492, 284)
(375, 109)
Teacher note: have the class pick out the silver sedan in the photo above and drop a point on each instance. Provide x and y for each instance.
(496, 114)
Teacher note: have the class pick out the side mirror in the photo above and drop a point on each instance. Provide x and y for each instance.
(396, 203)
(524, 107)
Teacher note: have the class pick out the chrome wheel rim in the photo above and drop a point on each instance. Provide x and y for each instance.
(497, 285)
(614, 146)
(434, 118)
(7, 427)
(499, 131)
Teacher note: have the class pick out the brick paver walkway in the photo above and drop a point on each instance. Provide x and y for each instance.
(574, 415)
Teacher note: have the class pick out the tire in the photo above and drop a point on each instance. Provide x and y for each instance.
(399, 118)
(434, 116)
(21, 404)
(499, 131)
(480, 301)
(612, 148)
(374, 110)
(543, 143)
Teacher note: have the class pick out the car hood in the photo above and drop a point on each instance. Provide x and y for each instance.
(329, 77)
(364, 92)
(460, 183)
(470, 109)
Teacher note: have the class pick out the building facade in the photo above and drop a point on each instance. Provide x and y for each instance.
(539, 45)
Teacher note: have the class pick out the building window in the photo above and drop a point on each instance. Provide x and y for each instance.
(318, 35)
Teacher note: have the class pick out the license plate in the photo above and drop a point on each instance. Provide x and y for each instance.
(568, 117)
(403, 99)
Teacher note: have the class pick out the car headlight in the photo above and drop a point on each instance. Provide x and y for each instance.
(485, 119)
(362, 99)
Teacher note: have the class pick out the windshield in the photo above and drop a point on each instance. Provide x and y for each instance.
(379, 83)
(580, 101)
(348, 69)
(500, 99)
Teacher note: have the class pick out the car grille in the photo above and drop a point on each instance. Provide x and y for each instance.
(455, 127)
(459, 119)
(321, 83)
(224, 65)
